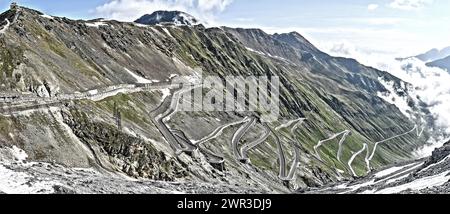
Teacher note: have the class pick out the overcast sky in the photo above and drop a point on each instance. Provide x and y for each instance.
(344, 27)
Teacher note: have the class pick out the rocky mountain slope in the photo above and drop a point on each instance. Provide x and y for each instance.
(99, 95)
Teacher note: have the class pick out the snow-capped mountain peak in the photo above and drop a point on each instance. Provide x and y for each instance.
(168, 17)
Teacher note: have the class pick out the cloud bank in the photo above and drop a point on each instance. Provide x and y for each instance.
(430, 85)
(130, 10)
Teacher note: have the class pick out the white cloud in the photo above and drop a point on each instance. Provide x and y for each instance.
(130, 10)
(364, 54)
(372, 7)
(410, 4)
(430, 84)
(208, 5)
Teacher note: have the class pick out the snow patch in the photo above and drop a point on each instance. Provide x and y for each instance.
(340, 171)
(18, 182)
(47, 16)
(190, 19)
(128, 131)
(167, 32)
(93, 92)
(138, 78)
(267, 54)
(12, 182)
(19, 154)
(392, 97)
(355, 187)
(419, 184)
(140, 25)
(124, 90)
(165, 93)
(255, 51)
(391, 170)
(96, 24)
(2, 31)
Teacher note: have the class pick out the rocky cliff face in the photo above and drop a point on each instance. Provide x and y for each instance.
(85, 93)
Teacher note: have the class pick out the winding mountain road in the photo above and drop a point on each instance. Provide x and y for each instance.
(341, 144)
(166, 109)
(289, 123)
(28, 102)
(294, 165)
(213, 158)
(295, 162)
(320, 143)
(299, 123)
(181, 137)
(282, 160)
(168, 106)
(350, 162)
(239, 134)
(370, 157)
(247, 147)
(281, 157)
(218, 131)
(178, 140)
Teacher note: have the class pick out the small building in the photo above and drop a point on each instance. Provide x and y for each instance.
(13, 6)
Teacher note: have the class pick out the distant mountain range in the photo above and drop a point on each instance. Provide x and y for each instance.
(441, 63)
(434, 54)
(435, 58)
